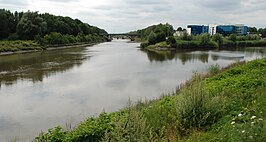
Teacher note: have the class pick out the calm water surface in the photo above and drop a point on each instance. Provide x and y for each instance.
(42, 90)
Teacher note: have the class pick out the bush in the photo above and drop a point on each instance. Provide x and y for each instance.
(205, 39)
(154, 38)
(171, 41)
(232, 37)
(218, 38)
(144, 44)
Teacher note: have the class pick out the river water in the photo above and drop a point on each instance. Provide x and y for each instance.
(62, 87)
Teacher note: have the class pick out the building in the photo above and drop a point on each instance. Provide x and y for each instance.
(221, 29)
(226, 29)
(241, 29)
(197, 29)
(212, 29)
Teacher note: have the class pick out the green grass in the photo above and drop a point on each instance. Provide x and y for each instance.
(18, 45)
(223, 105)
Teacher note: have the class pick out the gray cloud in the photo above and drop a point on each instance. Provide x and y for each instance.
(127, 15)
(220, 5)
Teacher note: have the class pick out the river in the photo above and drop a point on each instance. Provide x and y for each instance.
(62, 87)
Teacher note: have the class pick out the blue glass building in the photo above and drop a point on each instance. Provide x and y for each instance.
(221, 29)
(198, 29)
(241, 30)
(226, 29)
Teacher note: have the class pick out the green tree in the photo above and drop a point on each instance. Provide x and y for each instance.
(262, 32)
(7, 23)
(218, 38)
(30, 25)
(205, 39)
(171, 41)
(252, 30)
(152, 38)
(232, 37)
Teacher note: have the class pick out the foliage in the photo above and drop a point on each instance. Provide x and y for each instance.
(27, 25)
(205, 39)
(214, 69)
(232, 37)
(30, 25)
(218, 38)
(171, 41)
(161, 30)
(55, 38)
(18, 45)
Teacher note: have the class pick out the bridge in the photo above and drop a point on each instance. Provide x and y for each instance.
(123, 36)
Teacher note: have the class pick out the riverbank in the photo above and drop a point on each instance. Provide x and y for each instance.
(182, 44)
(223, 105)
(21, 47)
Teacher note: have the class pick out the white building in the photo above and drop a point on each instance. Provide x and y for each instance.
(212, 29)
(189, 31)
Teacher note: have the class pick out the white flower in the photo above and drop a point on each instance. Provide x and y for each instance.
(233, 122)
(253, 117)
(260, 119)
(243, 131)
(240, 114)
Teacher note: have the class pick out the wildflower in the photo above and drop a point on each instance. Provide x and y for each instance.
(252, 123)
(253, 117)
(240, 114)
(260, 119)
(243, 131)
(233, 122)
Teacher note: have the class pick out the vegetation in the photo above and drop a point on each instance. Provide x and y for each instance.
(18, 45)
(260, 31)
(224, 105)
(206, 41)
(45, 29)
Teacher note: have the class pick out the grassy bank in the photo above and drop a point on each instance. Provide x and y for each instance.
(204, 41)
(18, 45)
(223, 105)
(22, 46)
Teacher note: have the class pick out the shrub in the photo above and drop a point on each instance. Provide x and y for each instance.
(218, 38)
(171, 41)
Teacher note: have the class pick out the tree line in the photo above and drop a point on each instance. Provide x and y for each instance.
(28, 25)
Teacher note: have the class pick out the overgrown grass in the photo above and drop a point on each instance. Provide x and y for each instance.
(224, 105)
(18, 45)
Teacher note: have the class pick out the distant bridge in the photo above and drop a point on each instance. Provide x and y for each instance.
(123, 36)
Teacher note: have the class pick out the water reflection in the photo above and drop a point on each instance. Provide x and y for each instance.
(204, 55)
(37, 66)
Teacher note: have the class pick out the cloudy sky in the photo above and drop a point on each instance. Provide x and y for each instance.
(127, 15)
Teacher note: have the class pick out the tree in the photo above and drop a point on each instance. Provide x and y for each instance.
(30, 25)
(7, 23)
(171, 41)
(152, 38)
(252, 30)
(205, 39)
(218, 38)
(262, 32)
(232, 37)
(179, 29)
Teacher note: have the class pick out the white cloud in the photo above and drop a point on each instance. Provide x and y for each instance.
(127, 15)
